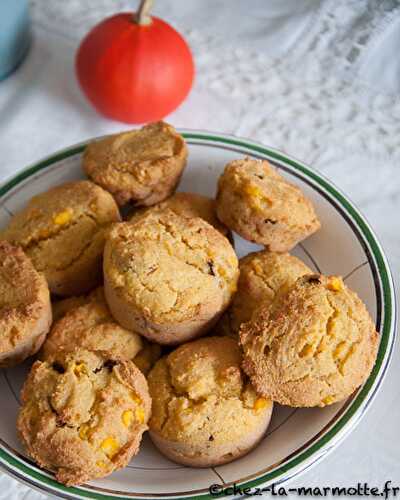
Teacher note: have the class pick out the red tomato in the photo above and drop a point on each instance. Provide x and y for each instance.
(134, 73)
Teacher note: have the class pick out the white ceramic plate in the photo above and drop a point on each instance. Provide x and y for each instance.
(296, 439)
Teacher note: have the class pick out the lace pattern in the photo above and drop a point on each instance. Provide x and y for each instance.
(307, 102)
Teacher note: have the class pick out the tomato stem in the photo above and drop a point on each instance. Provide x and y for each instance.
(142, 16)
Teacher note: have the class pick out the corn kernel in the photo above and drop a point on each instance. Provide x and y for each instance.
(335, 284)
(169, 248)
(260, 404)
(79, 369)
(232, 261)
(331, 326)
(258, 269)
(62, 218)
(110, 447)
(339, 350)
(322, 346)
(349, 353)
(253, 190)
(328, 400)
(135, 398)
(140, 414)
(83, 431)
(127, 417)
(222, 271)
(306, 351)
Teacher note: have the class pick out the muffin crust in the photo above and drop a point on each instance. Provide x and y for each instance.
(81, 417)
(140, 166)
(63, 232)
(91, 326)
(264, 277)
(314, 347)
(188, 205)
(254, 200)
(25, 310)
(168, 277)
(205, 411)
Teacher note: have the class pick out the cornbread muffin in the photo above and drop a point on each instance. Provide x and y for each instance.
(188, 205)
(205, 411)
(25, 310)
(61, 307)
(141, 166)
(82, 417)
(168, 277)
(91, 326)
(263, 276)
(312, 348)
(63, 232)
(254, 200)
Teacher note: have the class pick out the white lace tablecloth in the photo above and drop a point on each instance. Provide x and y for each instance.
(319, 80)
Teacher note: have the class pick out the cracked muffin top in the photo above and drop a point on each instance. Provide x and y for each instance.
(167, 270)
(142, 166)
(254, 200)
(201, 396)
(83, 417)
(188, 205)
(25, 311)
(263, 277)
(89, 325)
(312, 348)
(63, 231)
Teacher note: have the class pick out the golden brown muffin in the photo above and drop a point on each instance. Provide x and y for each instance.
(168, 277)
(82, 417)
(205, 411)
(188, 205)
(25, 310)
(254, 200)
(314, 347)
(141, 166)
(63, 232)
(263, 276)
(61, 307)
(90, 326)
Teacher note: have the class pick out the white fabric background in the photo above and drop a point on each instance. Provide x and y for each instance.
(319, 80)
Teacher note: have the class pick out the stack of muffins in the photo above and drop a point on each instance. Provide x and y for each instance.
(103, 303)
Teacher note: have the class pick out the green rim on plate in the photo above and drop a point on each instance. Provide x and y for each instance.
(385, 293)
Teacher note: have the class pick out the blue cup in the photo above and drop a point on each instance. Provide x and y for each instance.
(15, 34)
